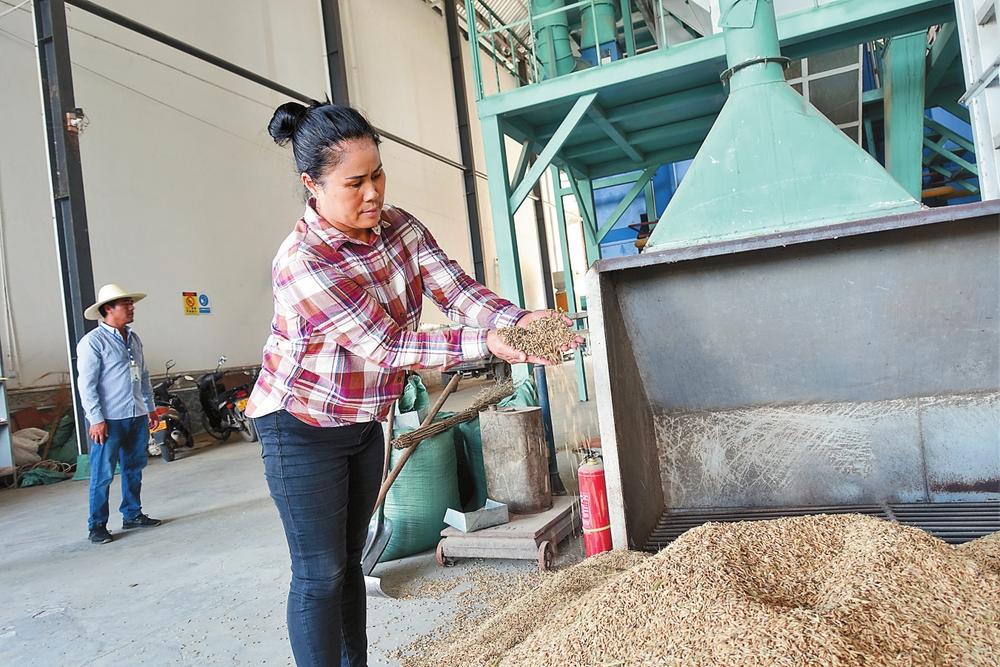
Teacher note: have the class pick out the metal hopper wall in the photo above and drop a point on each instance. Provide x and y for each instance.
(848, 364)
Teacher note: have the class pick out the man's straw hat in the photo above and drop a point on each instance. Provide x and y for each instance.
(107, 294)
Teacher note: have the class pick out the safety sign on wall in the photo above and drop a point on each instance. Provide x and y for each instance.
(190, 303)
(196, 304)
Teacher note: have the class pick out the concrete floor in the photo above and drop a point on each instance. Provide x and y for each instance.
(209, 585)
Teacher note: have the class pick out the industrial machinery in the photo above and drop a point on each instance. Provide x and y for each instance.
(800, 335)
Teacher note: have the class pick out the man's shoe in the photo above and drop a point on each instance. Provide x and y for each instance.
(100, 535)
(141, 521)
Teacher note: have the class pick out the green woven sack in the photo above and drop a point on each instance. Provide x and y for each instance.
(525, 396)
(40, 476)
(63, 447)
(472, 449)
(414, 397)
(421, 495)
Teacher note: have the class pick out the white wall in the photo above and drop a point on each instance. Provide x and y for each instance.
(185, 190)
(28, 246)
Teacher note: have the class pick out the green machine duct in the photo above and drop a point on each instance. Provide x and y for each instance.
(771, 163)
(552, 42)
(598, 20)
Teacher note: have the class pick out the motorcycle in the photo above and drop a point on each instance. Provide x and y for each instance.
(173, 430)
(222, 408)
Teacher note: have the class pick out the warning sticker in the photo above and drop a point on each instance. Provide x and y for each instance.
(190, 303)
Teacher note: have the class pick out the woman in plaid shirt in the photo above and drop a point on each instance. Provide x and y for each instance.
(349, 283)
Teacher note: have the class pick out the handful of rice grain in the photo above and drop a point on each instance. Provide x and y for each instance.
(542, 338)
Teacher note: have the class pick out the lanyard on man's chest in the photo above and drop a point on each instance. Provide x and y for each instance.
(133, 365)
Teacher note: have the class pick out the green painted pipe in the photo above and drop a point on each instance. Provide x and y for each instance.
(599, 14)
(552, 45)
(750, 31)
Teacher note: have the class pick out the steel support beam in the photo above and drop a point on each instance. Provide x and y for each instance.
(611, 181)
(66, 182)
(583, 190)
(666, 156)
(904, 68)
(949, 134)
(626, 201)
(543, 248)
(939, 148)
(336, 63)
(628, 28)
(569, 280)
(551, 149)
(870, 139)
(523, 162)
(952, 178)
(944, 52)
(469, 179)
(651, 213)
(522, 133)
(667, 136)
(504, 231)
(680, 106)
(601, 120)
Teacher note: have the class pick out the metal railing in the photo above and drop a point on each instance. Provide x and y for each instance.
(514, 50)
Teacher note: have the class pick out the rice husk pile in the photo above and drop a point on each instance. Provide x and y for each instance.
(544, 337)
(839, 590)
(489, 591)
(985, 551)
(490, 639)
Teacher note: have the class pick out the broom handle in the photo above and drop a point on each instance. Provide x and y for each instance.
(388, 439)
(408, 452)
(432, 413)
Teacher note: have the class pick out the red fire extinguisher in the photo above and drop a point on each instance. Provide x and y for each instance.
(594, 506)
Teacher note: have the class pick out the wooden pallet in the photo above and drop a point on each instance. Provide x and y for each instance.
(524, 537)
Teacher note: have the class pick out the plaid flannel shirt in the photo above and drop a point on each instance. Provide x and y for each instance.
(346, 314)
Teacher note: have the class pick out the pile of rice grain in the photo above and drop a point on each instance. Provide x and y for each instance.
(839, 590)
(544, 337)
(985, 551)
(512, 624)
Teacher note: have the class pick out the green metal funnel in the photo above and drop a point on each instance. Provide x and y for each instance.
(772, 162)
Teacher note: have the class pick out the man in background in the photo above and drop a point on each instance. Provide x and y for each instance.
(117, 399)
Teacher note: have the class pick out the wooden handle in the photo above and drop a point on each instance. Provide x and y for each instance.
(408, 452)
(387, 484)
(388, 440)
(448, 390)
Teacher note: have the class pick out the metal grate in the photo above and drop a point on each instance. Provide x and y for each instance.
(954, 523)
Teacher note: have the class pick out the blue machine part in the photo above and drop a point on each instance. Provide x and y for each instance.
(609, 51)
(620, 241)
(963, 129)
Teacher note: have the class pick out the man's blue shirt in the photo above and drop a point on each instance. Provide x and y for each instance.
(109, 388)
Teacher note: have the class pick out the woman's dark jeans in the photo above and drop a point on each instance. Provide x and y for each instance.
(324, 482)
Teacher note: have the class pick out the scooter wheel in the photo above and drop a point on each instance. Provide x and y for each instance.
(248, 431)
(167, 450)
(219, 434)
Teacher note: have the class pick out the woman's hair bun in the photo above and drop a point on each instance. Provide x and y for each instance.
(284, 121)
